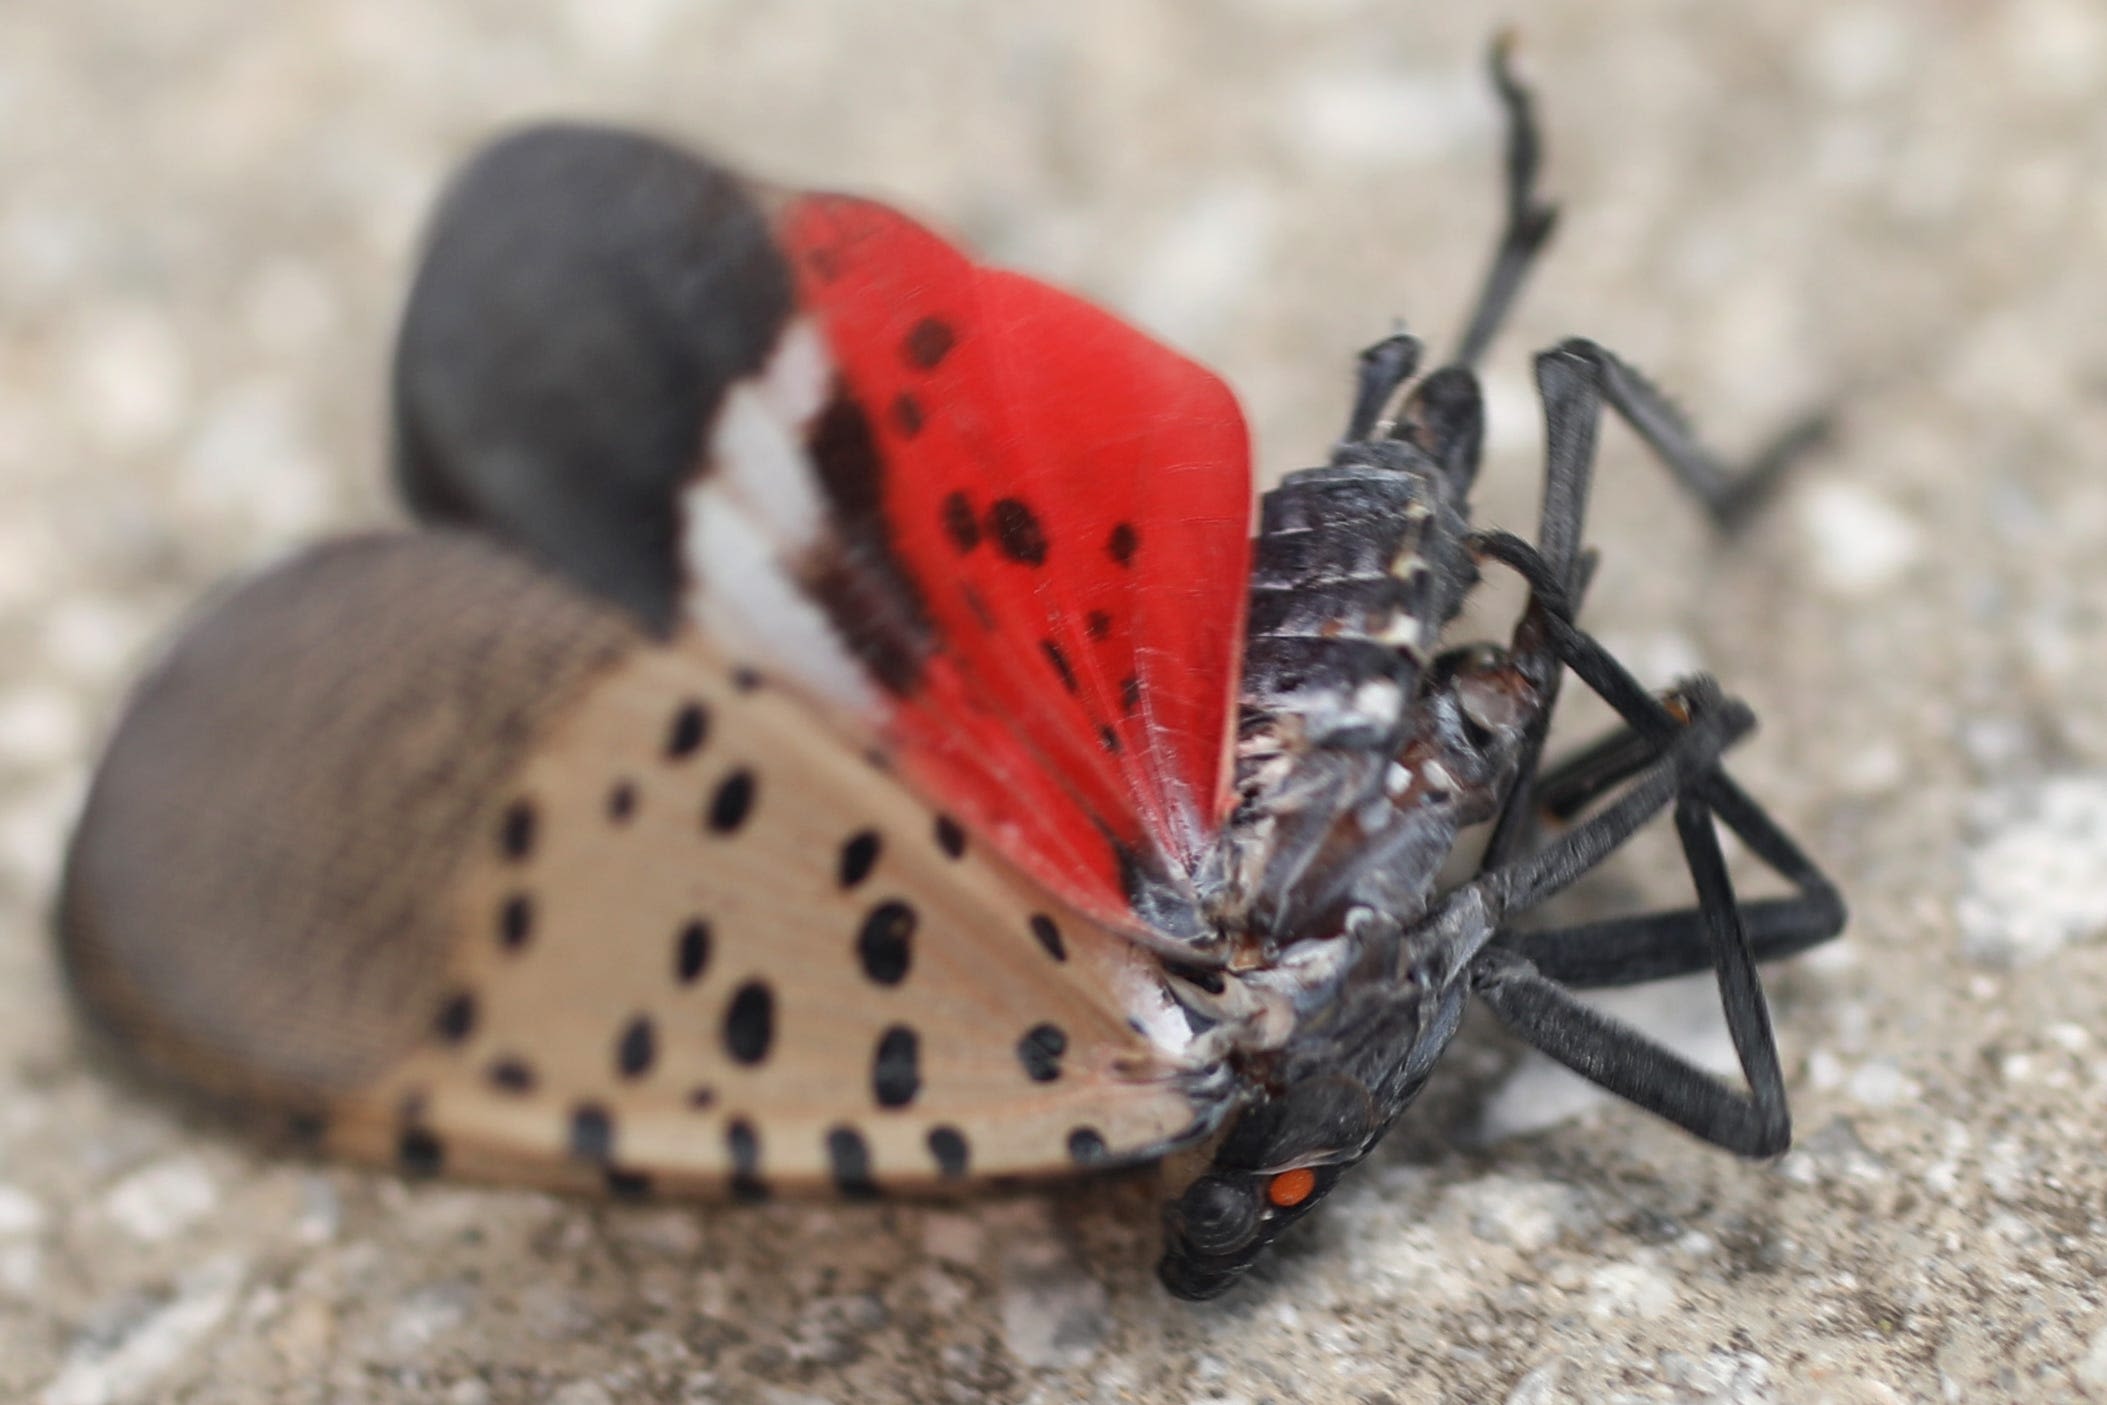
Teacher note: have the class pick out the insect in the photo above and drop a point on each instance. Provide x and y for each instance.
(834, 725)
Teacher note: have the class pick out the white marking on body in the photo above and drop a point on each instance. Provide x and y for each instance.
(1379, 699)
(1402, 632)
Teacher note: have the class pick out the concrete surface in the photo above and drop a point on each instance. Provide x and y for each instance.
(205, 211)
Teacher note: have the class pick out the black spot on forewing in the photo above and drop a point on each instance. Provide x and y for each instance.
(1086, 1147)
(749, 1023)
(1040, 1052)
(691, 952)
(637, 1048)
(621, 802)
(1015, 528)
(1097, 624)
(684, 736)
(896, 1067)
(948, 1146)
(420, 1153)
(1049, 936)
(950, 837)
(1109, 740)
(927, 343)
(516, 831)
(1123, 543)
(849, 1156)
(885, 942)
(743, 1144)
(732, 802)
(456, 1019)
(1129, 694)
(592, 1134)
(512, 1075)
(858, 856)
(515, 922)
(907, 415)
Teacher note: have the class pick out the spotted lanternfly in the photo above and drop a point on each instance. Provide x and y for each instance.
(836, 727)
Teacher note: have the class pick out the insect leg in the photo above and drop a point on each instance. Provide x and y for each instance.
(1543, 1012)
(1716, 723)
(1381, 369)
(1654, 946)
(1529, 220)
(1728, 493)
(1557, 569)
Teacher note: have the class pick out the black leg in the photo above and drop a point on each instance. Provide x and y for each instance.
(1544, 1013)
(1381, 370)
(1633, 950)
(1729, 494)
(1715, 724)
(1529, 220)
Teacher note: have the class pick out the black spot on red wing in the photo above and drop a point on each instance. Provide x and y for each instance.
(1097, 624)
(512, 1075)
(1059, 661)
(959, 522)
(950, 837)
(896, 1067)
(1016, 530)
(1086, 1147)
(749, 1023)
(861, 582)
(849, 1157)
(1130, 694)
(592, 1134)
(419, 1153)
(927, 343)
(515, 922)
(732, 802)
(1109, 740)
(621, 802)
(1123, 543)
(743, 1144)
(684, 737)
(1040, 1052)
(982, 615)
(1049, 936)
(948, 1146)
(456, 1019)
(885, 942)
(907, 415)
(858, 857)
(637, 1048)
(627, 1185)
(691, 952)
(516, 831)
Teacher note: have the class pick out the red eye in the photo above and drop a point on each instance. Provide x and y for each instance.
(1291, 1188)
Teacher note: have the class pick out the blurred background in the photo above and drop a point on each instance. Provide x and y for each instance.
(207, 216)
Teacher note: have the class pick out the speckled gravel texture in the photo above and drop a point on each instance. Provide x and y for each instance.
(206, 212)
